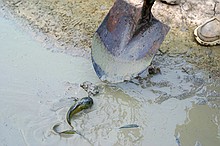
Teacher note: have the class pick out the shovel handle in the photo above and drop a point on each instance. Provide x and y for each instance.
(124, 20)
(146, 11)
(137, 11)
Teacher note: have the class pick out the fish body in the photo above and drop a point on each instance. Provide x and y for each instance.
(83, 103)
(129, 126)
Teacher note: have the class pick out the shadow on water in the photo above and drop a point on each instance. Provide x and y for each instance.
(37, 85)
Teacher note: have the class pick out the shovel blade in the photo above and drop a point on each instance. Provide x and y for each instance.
(126, 41)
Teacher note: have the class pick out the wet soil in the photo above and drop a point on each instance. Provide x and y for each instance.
(179, 106)
(70, 25)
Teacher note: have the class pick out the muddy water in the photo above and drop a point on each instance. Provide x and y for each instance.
(177, 107)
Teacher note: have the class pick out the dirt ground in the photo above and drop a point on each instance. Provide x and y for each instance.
(70, 24)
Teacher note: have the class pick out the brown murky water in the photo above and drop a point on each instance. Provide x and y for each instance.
(172, 108)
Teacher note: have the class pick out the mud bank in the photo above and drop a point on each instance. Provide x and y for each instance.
(69, 26)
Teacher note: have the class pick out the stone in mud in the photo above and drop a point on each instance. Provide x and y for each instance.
(152, 70)
(90, 88)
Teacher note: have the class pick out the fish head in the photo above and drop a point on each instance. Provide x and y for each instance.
(85, 102)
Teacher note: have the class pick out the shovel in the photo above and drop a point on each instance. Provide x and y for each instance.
(126, 41)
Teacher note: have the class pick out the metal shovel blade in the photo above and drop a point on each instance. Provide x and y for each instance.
(126, 41)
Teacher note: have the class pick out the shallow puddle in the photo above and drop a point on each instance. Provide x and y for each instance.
(201, 127)
(172, 108)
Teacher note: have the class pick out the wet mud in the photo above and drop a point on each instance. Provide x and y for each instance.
(179, 106)
(70, 25)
